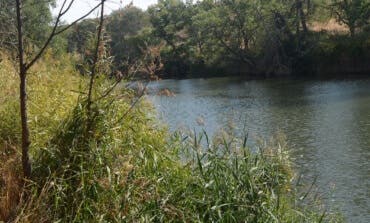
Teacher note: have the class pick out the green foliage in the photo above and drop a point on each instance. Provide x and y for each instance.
(79, 36)
(50, 97)
(9, 124)
(256, 36)
(170, 19)
(36, 18)
(128, 36)
(7, 12)
(353, 13)
(230, 182)
(209, 38)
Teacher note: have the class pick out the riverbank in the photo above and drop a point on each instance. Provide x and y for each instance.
(130, 169)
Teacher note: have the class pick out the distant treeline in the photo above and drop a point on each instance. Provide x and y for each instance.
(232, 37)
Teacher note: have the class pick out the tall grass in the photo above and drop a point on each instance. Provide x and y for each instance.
(50, 96)
(128, 168)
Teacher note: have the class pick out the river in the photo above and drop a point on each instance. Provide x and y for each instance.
(327, 125)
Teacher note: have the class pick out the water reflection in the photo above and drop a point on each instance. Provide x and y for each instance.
(327, 124)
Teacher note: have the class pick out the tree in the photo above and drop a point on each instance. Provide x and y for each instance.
(231, 25)
(36, 19)
(127, 28)
(7, 10)
(79, 35)
(25, 63)
(170, 20)
(353, 13)
(301, 14)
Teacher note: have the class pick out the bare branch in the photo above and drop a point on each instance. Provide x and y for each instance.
(47, 42)
(67, 9)
(78, 20)
(134, 103)
(111, 89)
(96, 56)
(55, 27)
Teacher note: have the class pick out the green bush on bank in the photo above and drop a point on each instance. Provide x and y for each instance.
(127, 168)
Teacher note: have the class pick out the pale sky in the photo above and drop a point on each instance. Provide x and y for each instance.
(81, 7)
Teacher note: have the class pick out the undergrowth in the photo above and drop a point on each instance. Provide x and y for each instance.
(126, 167)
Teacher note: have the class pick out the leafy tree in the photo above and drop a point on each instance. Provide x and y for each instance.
(353, 13)
(128, 29)
(230, 24)
(79, 36)
(170, 20)
(36, 18)
(7, 12)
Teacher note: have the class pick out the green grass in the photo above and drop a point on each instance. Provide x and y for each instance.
(128, 168)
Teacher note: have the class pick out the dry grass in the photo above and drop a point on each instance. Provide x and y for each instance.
(331, 26)
(51, 96)
(8, 80)
(33, 208)
(11, 182)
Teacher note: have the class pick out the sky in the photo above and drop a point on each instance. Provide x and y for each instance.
(80, 7)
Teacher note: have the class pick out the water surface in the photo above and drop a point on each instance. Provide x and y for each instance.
(327, 124)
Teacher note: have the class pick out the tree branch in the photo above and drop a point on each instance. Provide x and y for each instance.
(47, 42)
(133, 104)
(55, 27)
(78, 20)
(94, 64)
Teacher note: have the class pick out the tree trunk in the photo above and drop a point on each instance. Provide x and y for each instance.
(297, 17)
(25, 129)
(352, 30)
(302, 16)
(94, 69)
(26, 164)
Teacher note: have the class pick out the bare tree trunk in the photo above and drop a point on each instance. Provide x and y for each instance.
(26, 163)
(96, 55)
(297, 17)
(303, 18)
(94, 67)
(24, 67)
(352, 30)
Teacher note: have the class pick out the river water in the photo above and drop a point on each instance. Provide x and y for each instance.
(327, 125)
